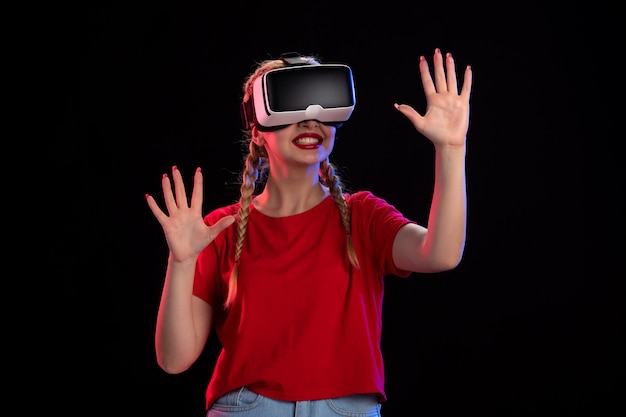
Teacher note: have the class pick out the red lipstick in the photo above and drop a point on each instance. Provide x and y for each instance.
(308, 141)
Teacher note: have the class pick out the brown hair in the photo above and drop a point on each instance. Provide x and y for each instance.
(255, 170)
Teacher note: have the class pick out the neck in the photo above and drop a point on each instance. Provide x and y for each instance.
(286, 198)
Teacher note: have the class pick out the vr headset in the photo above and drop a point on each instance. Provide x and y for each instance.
(298, 92)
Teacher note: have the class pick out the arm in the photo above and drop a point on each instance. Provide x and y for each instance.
(183, 320)
(439, 247)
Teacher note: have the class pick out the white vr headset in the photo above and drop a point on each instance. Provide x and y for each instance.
(300, 92)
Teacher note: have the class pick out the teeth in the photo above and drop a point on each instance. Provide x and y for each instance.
(307, 141)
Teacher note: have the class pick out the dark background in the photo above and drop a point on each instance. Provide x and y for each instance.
(529, 324)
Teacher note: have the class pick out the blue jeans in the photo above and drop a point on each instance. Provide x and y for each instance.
(244, 403)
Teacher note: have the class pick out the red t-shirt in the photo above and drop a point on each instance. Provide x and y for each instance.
(305, 325)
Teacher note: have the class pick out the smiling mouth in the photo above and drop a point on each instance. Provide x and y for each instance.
(307, 141)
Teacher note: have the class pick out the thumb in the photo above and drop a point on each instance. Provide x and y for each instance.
(222, 224)
(410, 113)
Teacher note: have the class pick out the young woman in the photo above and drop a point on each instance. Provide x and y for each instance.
(291, 276)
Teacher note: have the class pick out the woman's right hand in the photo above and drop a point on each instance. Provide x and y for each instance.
(185, 231)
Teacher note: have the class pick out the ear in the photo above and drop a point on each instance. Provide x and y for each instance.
(257, 137)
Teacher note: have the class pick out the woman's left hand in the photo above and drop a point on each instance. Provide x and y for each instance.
(446, 120)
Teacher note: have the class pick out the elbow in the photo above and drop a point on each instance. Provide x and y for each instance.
(442, 266)
(171, 368)
(448, 262)
(452, 257)
(453, 261)
(451, 264)
(172, 355)
(171, 365)
(430, 262)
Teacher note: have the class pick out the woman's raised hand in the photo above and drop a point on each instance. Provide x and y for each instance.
(185, 231)
(446, 120)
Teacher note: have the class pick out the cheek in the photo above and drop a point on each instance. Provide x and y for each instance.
(330, 133)
(331, 139)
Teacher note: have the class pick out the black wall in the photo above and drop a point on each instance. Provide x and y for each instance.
(530, 323)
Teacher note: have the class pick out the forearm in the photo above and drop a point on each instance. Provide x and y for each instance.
(445, 240)
(175, 337)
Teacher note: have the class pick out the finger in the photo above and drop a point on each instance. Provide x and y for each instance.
(451, 74)
(168, 196)
(179, 188)
(156, 210)
(467, 83)
(220, 225)
(411, 114)
(440, 76)
(196, 195)
(427, 81)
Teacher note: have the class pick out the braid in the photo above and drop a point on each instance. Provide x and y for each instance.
(250, 175)
(256, 166)
(333, 182)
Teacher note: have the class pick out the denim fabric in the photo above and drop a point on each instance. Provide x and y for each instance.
(244, 403)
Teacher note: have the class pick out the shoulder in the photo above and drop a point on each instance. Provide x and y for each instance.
(367, 205)
(218, 213)
(364, 198)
